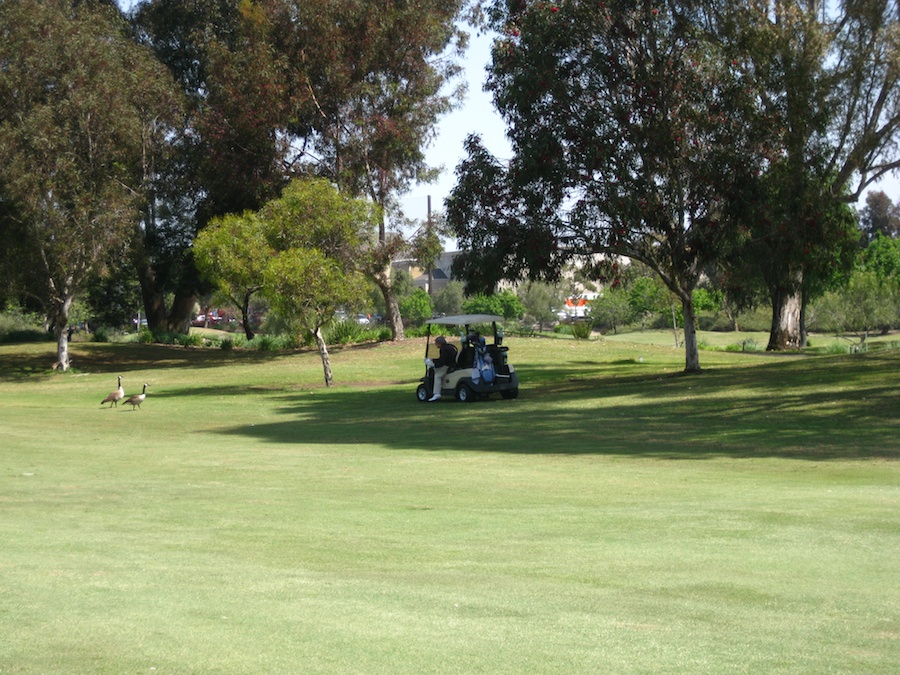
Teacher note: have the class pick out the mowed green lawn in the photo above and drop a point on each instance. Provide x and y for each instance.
(616, 518)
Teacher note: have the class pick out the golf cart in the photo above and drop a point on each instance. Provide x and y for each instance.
(481, 368)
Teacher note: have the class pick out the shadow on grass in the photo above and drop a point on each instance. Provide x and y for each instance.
(815, 410)
(110, 358)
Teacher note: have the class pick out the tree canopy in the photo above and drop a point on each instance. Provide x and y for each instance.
(75, 91)
(681, 134)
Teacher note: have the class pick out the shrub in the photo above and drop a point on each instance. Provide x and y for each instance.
(19, 326)
(101, 334)
(264, 343)
(145, 336)
(416, 308)
(581, 330)
(189, 340)
(748, 345)
(836, 347)
(344, 332)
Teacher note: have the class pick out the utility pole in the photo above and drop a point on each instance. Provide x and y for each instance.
(431, 264)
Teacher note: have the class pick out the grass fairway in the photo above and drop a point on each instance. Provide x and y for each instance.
(616, 518)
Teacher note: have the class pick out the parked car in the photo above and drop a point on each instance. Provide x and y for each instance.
(481, 369)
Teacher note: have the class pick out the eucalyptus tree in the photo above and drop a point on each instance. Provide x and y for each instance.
(626, 142)
(377, 74)
(280, 88)
(827, 85)
(229, 155)
(879, 216)
(78, 95)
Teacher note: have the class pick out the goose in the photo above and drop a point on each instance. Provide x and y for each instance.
(114, 397)
(137, 399)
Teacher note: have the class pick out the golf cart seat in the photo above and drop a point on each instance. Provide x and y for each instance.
(466, 358)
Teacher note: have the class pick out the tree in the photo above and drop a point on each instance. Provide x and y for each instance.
(75, 91)
(541, 302)
(880, 216)
(882, 256)
(826, 87)
(377, 73)
(505, 304)
(417, 307)
(621, 117)
(279, 88)
(317, 236)
(449, 300)
(232, 152)
(647, 298)
(863, 305)
(611, 308)
(233, 251)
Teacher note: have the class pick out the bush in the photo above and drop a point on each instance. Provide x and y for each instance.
(264, 343)
(836, 347)
(748, 345)
(344, 332)
(145, 336)
(581, 330)
(101, 334)
(416, 308)
(189, 340)
(19, 326)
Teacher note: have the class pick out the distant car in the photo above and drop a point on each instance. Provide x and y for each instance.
(482, 368)
(362, 320)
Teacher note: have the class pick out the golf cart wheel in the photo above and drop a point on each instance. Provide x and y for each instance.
(464, 393)
(510, 393)
(422, 393)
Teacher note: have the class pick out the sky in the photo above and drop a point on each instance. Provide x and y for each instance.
(476, 115)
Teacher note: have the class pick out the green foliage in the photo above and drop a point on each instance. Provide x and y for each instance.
(505, 304)
(79, 96)
(707, 300)
(450, 299)
(540, 301)
(611, 309)
(317, 237)
(416, 308)
(865, 304)
(647, 298)
(882, 256)
(402, 283)
(581, 330)
(18, 325)
(189, 340)
(345, 332)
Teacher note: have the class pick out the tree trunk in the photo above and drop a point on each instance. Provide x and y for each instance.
(804, 306)
(691, 350)
(62, 349)
(182, 310)
(151, 297)
(245, 316)
(323, 352)
(60, 322)
(784, 334)
(392, 308)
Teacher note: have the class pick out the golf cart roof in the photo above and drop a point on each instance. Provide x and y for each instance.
(465, 319)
